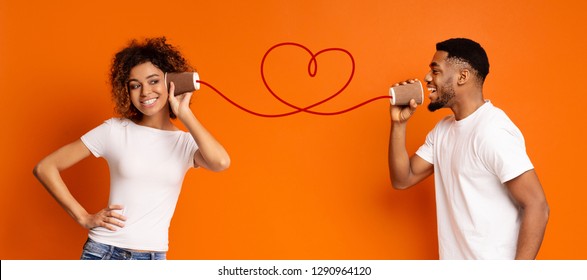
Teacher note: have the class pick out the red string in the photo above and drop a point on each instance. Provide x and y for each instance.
(312, 70)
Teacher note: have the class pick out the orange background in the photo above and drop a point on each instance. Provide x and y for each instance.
(304, 186)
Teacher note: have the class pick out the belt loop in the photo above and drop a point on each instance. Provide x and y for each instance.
(111, 249)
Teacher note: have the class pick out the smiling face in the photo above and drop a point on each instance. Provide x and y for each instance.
(441, 82)
(147, 89)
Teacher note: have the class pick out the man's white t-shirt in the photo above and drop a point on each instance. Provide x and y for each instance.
(473, 158)
(147, 167)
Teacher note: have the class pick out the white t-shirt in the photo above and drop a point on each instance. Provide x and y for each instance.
(473, 158)
(147, 168)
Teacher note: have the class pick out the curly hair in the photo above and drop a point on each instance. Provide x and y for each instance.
(155, 50)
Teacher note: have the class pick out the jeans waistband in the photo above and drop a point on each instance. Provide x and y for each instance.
(114, 252)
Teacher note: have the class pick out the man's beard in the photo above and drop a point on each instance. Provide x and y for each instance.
(448, 93)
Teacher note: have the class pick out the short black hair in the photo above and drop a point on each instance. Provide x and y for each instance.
(468, 51)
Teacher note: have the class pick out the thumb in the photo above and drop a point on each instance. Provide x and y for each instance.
(413, 105)
(185, 97)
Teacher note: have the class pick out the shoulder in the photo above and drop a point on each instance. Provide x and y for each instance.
(495, 131)
(188, 139)
(495, 121)
(117, 121)
(109, 125)
(496, 114)
(116, 124)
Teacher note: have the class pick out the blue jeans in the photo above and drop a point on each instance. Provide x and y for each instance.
(97, 251)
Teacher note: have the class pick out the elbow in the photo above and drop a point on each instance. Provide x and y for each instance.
(543, 211)
(224, 164)
(38, 170)
(546, 211)
(41, 171)
(544, 215)
(397, 185)
(538, 212)
(221, 165)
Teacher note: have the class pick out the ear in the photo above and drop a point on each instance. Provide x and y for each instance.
(464, 76)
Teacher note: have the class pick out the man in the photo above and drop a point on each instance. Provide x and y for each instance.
(490, 203)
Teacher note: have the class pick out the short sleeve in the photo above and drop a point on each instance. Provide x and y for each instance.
(190, 148)
(96, 139)
(426, 151)
(503, 152)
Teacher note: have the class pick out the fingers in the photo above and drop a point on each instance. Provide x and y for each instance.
(403, 113)
(186, 96)
(115, 207)
(413, 104)
(180, 97)
(171, 89)
(111, 224)
(412, 108)
(400, 116)
(113, 211)
(111, 217)
(172, 98)
(409, 81)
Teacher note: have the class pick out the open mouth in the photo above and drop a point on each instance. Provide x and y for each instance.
(432, 91)
(149, 101)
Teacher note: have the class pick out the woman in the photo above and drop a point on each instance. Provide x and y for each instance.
(147, 156)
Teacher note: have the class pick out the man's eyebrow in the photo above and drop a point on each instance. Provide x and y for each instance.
(433, 64)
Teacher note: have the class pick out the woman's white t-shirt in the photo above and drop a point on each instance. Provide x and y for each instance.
(147, 167)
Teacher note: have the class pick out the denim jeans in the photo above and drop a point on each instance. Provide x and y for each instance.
(97, 251)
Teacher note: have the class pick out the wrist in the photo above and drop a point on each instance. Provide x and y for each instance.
(398, 124)
(185, 115)
(83, 219)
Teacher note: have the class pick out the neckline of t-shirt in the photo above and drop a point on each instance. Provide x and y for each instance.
(474, 115)
(154, 129)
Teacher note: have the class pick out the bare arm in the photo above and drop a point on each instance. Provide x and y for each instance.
(527, 191)
(48, 171)
(211, 154)
(403, 170)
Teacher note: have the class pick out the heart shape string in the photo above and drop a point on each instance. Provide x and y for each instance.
(312, 71)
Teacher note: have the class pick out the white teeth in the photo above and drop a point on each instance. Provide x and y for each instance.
(150, 101)
(431, 89)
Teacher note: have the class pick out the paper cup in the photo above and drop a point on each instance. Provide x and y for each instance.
(183, 81)
(402, 94)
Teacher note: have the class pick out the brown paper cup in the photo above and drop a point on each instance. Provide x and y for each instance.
(402, 94)
(183, 81)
